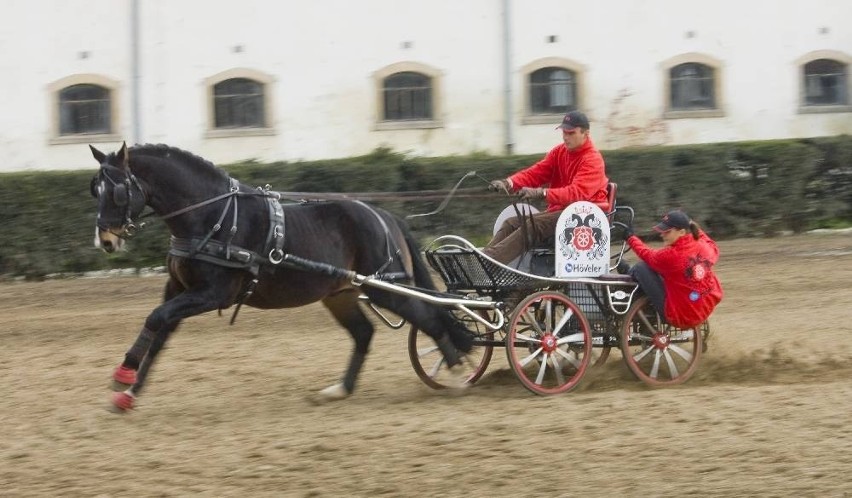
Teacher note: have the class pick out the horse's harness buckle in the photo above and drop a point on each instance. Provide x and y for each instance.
(276, 256)
(131, 228)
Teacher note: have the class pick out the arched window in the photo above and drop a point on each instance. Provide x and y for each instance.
(85, 109)
(553, 90)
(692, 87)
(825, 83)
(239, 103)
(407, 96)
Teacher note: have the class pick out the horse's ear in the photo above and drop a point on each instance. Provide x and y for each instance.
(122, 156)
(100, 157)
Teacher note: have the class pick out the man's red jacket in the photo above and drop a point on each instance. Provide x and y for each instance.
(571, 175)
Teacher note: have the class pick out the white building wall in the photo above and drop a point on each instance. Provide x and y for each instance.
(322, 54)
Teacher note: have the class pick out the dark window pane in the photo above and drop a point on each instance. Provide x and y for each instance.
(407, 96)
(238, 103)
(825, 83)
(692, 87)
(84, 109)
(553, 90)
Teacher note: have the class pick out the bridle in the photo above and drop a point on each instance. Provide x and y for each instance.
(127, 193)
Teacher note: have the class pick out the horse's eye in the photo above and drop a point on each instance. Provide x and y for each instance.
(93, 187)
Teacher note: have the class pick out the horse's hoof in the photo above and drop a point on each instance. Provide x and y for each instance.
(457, 377)
(122, 402)
(334, 393)
(123, 378)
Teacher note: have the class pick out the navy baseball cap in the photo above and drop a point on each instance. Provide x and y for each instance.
(673, 219)
(574, 119)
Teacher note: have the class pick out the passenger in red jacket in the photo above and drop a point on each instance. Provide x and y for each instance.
(679, 278)
(572, 171)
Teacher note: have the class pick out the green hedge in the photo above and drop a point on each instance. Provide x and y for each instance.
(741, 189)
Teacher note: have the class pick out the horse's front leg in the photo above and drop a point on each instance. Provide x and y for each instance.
(125, 374)
(153, 336)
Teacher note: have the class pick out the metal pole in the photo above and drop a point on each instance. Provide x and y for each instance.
(134, 68)
(507, 78)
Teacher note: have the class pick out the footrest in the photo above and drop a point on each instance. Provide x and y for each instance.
(616, 277)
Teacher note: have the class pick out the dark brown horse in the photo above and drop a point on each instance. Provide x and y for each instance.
(232, 244)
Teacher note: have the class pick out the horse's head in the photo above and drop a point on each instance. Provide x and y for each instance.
(120, 199)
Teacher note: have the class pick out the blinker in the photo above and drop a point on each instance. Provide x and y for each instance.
(119, 195)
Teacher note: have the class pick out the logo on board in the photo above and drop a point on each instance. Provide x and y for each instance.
(582, 241)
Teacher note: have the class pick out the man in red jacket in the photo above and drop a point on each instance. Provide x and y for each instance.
(679, 278)
(572, 171)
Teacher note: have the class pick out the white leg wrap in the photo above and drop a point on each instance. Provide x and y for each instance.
(457, 377)
(335, 392)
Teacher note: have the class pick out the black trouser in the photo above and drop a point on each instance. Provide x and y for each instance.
(651, 284)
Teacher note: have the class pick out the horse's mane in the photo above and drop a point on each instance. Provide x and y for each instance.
(175, 155)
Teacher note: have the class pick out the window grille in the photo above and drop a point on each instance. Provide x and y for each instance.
(692, 87)
(238, 103)
(407, 96)
(84, 109)
(553, 90)
(825, 83)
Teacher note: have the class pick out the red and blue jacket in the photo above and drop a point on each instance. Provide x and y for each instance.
(686, 266)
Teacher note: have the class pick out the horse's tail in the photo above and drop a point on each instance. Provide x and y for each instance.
(456, 330)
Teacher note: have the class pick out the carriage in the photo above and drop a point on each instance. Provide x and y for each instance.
(557, 311)
(556, 322)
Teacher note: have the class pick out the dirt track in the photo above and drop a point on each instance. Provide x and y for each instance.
(226, 413)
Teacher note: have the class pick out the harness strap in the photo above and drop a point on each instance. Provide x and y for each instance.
(218, 253)
(234, 190)
(275, 237)
(390, 244)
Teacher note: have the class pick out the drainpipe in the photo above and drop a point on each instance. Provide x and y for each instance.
(507, 79)
(134, 68)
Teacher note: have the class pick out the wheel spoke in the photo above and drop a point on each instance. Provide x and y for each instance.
(541, 370)
(530, 358)
(436, 367)
(576, 338)
(528, 338)
(560, 379)
(686, 355)
(572, 359)
(426, 351)
(548, 314)
(655, 370)
(562, 321)
(647, 323)
(672, 367)
(641, 354)
(532, 321)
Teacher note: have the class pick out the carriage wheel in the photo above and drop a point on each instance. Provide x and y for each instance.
(429, 363)
(657, 353)
(549, 343)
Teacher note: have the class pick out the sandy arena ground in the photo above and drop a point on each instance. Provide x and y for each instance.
(227, 411)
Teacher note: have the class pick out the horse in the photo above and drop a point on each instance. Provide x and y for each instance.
(232, 244)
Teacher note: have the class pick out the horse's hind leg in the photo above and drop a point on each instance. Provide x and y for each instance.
(344, 307)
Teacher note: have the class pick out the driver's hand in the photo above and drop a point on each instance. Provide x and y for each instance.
(531, 194)
(499, 186)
